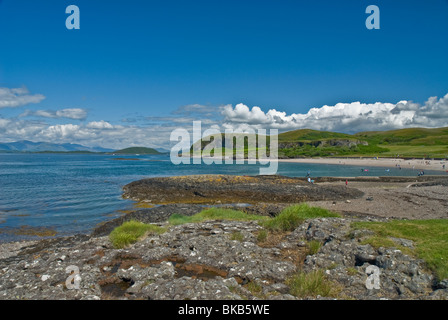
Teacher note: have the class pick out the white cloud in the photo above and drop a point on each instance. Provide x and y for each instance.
(4, 123)
(99, 125)
(344, 117)
(95, 133)
(60, 131)
(241, 113)
(17, 97)
(155, 131)
(73, 113)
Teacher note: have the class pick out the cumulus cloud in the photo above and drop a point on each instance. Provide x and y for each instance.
(150, 131)
(155, 131)
(18, 97)
(99, 125)
(343, 117)
(72, 113)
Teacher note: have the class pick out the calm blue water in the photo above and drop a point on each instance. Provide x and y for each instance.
(72, 193)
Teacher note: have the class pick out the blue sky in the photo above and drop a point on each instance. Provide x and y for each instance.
(136, 66)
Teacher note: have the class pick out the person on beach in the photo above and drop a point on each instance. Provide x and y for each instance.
(346, 182)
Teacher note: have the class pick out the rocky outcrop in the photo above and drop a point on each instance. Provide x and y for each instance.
(207, 261)
(346, 262)
(322, 143)
(212, 189)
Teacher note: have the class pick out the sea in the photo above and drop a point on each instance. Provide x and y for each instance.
(67, 194)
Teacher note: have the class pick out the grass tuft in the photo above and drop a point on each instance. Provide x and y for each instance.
(313, 246)
(256, 289)
(131, 231)
(238, 236)
(312, 284)
(351, 271)
(262, 236)
(291, 217)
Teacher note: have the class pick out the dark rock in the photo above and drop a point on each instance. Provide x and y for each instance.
(443, 284)
(365, 254)
(211, 189)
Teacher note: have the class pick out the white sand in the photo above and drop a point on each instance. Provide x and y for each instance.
(417, 164)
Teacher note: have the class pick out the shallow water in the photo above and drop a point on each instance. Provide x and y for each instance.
(72, 193)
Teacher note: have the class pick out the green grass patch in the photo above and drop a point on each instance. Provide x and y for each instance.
(238, 236)
(262, 236)
(215, 214)
(430, 239)
(351, 271)
(417, 151)
(131, 231)
(313, 246)
(312, 284)
(255, 288)
(291, 217)
(378, 241)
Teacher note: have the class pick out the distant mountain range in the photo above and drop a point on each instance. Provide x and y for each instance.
(30, 146)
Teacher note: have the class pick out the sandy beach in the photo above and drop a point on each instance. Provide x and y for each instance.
(417, 164)
(399, 200)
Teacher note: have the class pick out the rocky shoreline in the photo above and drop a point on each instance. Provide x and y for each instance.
(217, 259)
(204, 261)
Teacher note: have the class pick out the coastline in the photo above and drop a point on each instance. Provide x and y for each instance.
(417, 164)
(228, 259)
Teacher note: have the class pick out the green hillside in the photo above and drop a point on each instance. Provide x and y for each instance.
(314, 143)
(412, 143)
(311, 135)
(412, 136)
(136, 150)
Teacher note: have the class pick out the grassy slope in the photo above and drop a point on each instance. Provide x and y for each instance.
(413, 142)
(311, 135)
(310, 149)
